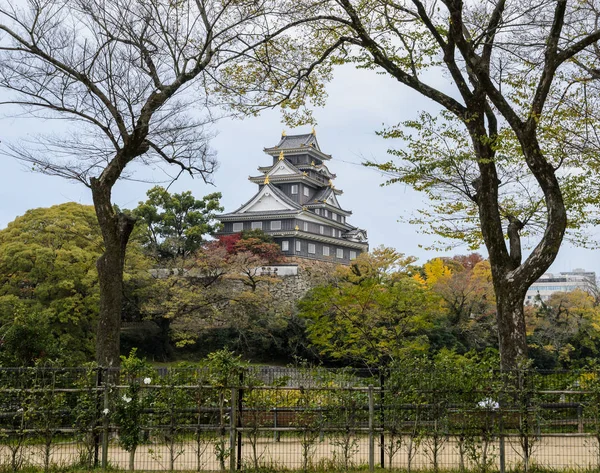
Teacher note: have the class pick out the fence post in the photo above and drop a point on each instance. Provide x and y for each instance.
(105, 432)
(382, 417)
(233, 430)
(99, 403)
(275, 432)
(371, 432)
(501, 411)
(240, 419)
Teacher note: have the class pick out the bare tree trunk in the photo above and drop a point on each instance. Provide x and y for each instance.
(116, 228)
(512, 338)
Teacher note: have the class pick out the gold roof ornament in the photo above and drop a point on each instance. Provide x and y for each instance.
(296, 228)
(304, 207)
(314, 132)
(304, 173)
(330, 184)
(312, 163)
(281, 156)
(283, 133)
(266, 179)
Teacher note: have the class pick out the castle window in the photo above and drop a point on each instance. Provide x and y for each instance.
(294, 188)
(306, 191)
(321, 229)
(326, 212)
(334, 216)
(311, 248)
(276, 225)
(285, 245)
(325, 251)
(353, 255)
(339, 253)
(298, 246)
(305, 226)
(238, 227)
(318, 211)
(256, 225)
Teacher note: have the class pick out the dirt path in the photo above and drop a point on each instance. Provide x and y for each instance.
(555, 452)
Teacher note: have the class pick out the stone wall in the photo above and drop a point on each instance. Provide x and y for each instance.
(310, 273)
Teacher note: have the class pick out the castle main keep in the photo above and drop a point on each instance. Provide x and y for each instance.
(297, 204)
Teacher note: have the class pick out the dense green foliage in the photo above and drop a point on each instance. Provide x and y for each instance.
(49, 285)
(374, 311)
(176, 225)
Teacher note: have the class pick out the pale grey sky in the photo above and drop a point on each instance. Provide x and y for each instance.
(360, 102)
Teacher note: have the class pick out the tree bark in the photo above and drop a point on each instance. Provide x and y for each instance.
(512, 339)
(116, 229)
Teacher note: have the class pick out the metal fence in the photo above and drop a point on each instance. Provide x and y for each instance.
(299, 419)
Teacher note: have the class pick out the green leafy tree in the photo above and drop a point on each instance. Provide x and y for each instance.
(514, 151)
(49, 285)
(374, 312)
(564, 330)
(176, 225)
(469, 306)
(49, 290)
(129, 407)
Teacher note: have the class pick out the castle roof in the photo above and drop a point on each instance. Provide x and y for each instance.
(294, 144)
(298, 141)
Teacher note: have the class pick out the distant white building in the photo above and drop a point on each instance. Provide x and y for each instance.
(550, 283)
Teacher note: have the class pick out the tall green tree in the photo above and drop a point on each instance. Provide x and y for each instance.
(176, 225)
(49, 284)
(520, 77)
(374, 313)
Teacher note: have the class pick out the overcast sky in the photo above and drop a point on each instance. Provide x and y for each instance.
(360, 103)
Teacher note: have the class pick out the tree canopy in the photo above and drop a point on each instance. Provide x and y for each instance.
(176, 225)
(375, 312)
(49, 284)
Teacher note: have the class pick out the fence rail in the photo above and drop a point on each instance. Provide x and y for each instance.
(299, 419)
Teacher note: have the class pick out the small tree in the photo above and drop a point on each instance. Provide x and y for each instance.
(174, 226)
(131, 403)
(373, 313)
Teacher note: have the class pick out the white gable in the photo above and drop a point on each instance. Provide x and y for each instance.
(331, 200)
(265, 200)
(323, 169)
(281, 169)
(359, 236)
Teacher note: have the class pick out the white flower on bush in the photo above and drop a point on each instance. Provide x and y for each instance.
(488, 403)
(126, 399)
(147, 380)
(20, 409)
(105, 411)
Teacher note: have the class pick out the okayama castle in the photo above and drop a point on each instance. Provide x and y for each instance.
(297, 205)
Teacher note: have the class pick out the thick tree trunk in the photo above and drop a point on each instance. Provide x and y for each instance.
(512, 338)
(116, 229)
